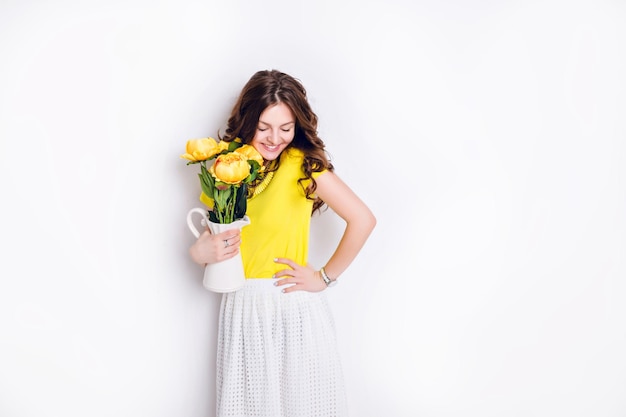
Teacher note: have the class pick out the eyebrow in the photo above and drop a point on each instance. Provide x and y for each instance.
(284, 124)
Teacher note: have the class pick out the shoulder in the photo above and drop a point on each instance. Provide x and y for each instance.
(292, 155)
(291, 160)
(294, 158)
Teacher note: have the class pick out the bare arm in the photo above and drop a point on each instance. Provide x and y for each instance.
(360, 222)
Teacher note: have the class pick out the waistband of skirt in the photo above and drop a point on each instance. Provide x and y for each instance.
(261, 285)
(266, 287)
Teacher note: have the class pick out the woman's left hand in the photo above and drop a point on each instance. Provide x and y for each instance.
(300, 278)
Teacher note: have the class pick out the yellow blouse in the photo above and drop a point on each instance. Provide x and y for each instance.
(280, 217)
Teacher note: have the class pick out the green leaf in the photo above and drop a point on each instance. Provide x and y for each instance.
(207, 182)
(254, 165)
(254, 171)
(250, 178)
(241, 202)
(234, 145)
(206, 188)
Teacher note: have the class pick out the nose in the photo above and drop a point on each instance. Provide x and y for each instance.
(273, 137)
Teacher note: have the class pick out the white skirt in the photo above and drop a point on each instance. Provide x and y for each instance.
(277, 355)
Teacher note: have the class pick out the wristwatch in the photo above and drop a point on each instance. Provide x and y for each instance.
(329, 282)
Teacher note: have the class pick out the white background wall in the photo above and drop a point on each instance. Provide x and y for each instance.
(487, 136)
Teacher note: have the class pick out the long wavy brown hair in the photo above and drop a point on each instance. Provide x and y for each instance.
(270, 87)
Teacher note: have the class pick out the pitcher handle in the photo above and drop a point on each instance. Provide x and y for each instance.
(190, 223)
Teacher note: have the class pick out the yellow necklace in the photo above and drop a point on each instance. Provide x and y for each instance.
(263, 184)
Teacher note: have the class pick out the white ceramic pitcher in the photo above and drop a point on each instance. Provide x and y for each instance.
(224, 276)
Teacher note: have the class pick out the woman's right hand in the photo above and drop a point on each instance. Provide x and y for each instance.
(209, 248)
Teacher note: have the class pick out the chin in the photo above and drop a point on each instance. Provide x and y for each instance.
(270, 157)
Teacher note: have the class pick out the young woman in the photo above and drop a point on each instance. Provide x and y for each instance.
(277, 352)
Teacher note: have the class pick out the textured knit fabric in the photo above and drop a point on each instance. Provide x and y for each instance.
(277, 355)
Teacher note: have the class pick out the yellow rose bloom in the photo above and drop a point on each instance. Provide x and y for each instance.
(231, 168)
(250, 153)
(200, 149)
(222, 146)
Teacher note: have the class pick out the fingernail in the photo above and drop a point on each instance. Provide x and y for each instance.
(283, 290)
(275, 259)
(276, 283)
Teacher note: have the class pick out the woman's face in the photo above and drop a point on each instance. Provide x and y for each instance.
(275, 130)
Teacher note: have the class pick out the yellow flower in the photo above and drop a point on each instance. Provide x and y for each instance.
(250, 153)
(222, 146)
(201, 149)
(231, 168)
